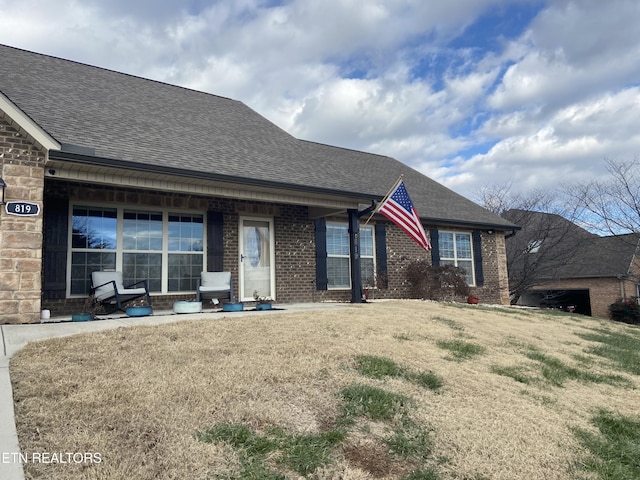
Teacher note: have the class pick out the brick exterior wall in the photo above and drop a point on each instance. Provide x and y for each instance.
(602, 291)
(294, 236)
(21, 239)
(22, 169)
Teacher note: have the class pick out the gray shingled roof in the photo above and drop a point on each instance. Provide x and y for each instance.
(576, 253)
(604, 257)
(132, 119)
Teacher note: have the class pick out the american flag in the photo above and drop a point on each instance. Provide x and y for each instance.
(398, 208)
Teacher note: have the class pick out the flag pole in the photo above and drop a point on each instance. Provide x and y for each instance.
(385, 198)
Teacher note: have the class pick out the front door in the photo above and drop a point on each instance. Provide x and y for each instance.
(257, 273)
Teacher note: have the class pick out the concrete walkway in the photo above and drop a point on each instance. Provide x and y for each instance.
(14, 337)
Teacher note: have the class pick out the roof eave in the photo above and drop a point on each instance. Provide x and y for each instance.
(469, 224)
(231, 179)
(26, 123)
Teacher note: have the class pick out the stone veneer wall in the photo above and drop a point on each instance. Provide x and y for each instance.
(494, 264)
(22, 169)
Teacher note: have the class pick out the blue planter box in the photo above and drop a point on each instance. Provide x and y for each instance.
(233, 307)
(139, 311)
(81, 317)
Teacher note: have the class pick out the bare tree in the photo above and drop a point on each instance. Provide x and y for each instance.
(548, 238)
(502, 198)
(612, 205)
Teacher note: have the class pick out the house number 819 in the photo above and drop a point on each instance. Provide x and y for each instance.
(23, 208)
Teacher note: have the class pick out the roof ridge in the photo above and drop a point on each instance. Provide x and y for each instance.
(131, 75)
(345, 148)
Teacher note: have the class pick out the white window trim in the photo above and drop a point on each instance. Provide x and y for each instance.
(455, 253)
(119, 251)
(348, 256)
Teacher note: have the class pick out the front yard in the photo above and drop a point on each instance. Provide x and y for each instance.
(396, 390)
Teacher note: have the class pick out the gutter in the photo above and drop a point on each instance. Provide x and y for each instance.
(489, 227)
(86, 156)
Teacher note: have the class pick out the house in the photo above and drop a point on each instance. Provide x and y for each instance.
(162, 182)
(555, 263)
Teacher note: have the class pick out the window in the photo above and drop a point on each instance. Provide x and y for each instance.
(186, 233)
(142, 248)
(534, 246)
(93, 245)
(338, 258)
(164, 248)
(367, 257)
(455, 249)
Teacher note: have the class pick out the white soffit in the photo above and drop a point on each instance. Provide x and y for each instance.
(168, 183)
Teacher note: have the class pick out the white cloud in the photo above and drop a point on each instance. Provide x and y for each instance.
(382, 76)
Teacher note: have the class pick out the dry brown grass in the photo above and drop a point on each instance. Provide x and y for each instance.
(137, 396)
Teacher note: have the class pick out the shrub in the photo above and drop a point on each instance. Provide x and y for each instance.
(627, 311)
(444, 282)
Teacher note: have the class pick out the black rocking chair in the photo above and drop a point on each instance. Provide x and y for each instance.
(111, 294)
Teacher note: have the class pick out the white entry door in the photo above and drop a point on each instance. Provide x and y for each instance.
(257, 272)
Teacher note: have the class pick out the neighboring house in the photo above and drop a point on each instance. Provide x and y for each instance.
(162, 182)
(555, 263)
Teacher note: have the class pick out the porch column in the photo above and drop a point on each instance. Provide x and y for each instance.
(354, 254)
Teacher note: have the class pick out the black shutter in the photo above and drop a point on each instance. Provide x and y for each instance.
(477, 257)
(321, 254)
(435, 247)
(54, 260)
(382, 276)
(215, 243)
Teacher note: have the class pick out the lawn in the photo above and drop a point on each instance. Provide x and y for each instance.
(390, 390)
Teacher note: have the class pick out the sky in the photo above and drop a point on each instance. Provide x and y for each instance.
(475, 94)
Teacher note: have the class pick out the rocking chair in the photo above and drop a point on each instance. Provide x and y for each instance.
(111, 294)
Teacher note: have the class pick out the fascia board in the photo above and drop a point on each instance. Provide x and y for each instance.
(27, 124)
